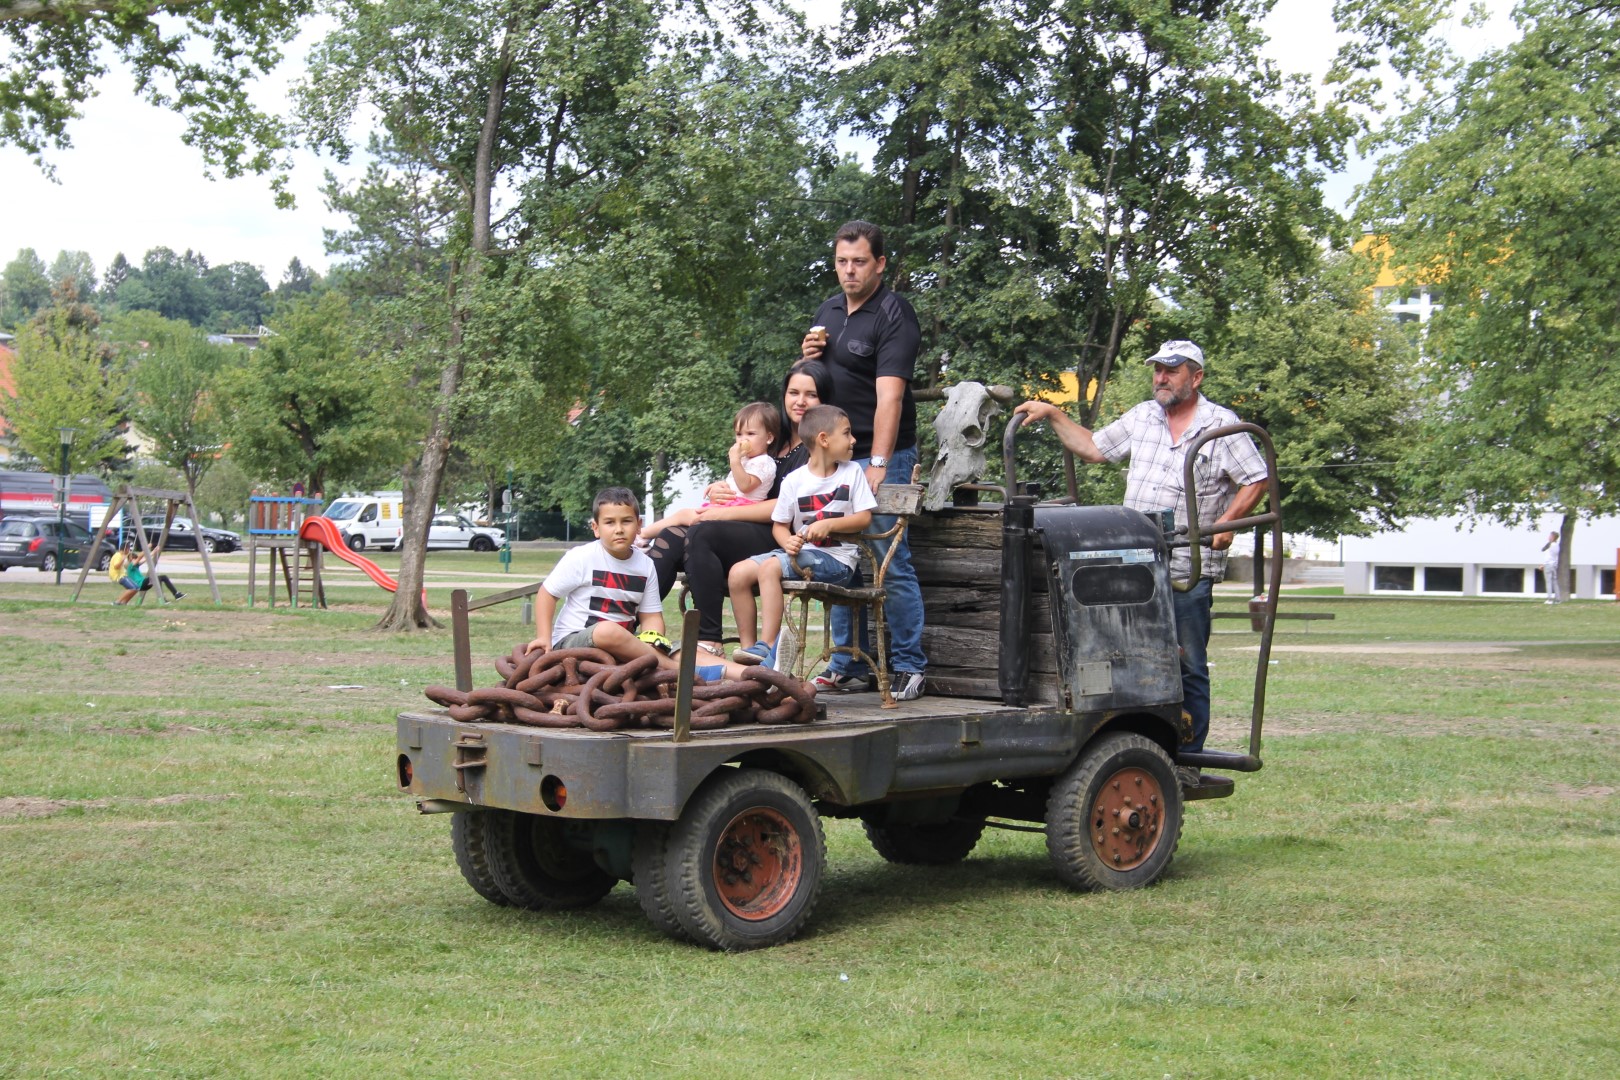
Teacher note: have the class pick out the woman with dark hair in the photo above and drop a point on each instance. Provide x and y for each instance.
(727, 535)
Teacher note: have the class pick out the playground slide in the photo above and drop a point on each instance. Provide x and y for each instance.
(325, 533)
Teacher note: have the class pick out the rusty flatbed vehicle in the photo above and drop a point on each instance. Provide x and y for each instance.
(1054, 699)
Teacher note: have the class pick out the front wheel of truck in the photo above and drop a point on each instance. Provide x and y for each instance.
(534, 865)
(1114, 818)
(745, 861)
(467, 841)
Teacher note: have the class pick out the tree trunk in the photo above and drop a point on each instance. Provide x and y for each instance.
(408, 611)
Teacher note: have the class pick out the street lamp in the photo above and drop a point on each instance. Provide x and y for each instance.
(65, 434)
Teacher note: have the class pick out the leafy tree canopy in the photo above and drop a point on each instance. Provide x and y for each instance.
(196, 57)
(1502, 192)
(65, 375)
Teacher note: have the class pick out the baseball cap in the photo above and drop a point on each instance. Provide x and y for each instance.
(1176, 353)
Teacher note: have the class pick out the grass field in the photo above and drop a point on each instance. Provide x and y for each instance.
(206, 870)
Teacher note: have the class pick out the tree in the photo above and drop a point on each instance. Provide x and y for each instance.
(117, 273)
(77, 267)
(238, 297)
(307, 406)
(572, 107)
(1503, 191)
(65, 376)
(1053, 165)
(175, 381)
(1311, 360)
(24, 288)
(197, 57)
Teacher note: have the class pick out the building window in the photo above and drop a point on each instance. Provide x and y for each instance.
(1502, 579)
(1394, 578)
(1442, 579)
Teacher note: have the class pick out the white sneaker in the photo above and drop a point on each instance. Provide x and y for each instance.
(906, 685)
(787, 650)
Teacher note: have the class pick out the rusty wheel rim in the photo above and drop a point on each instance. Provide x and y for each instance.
(1127, 818)
(758, 864)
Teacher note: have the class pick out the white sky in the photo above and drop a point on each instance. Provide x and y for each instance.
(129, 184)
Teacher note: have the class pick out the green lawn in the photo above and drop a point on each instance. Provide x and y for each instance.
(206, 870)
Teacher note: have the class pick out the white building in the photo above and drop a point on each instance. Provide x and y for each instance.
(1449, 557)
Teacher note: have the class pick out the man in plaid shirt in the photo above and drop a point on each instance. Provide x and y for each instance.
(1230, 474)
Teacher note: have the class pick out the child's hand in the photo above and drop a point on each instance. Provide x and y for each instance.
(538, 643)
(819, 530)
(793, 545)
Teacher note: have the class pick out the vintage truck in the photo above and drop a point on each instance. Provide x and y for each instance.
(1054, 698)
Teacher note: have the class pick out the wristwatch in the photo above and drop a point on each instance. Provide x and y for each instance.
(879, 460)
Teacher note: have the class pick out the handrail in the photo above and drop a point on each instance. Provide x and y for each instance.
(1009, 463)
(1249, 762)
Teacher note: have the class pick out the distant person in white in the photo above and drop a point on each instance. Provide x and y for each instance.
(1549, 570)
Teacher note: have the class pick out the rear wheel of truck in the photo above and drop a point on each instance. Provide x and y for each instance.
(745, 861)
(649, 854)
(467, 840)
(534, 865)
(926, 845)
(1114, 818)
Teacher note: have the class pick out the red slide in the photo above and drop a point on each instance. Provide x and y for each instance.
(325, 533)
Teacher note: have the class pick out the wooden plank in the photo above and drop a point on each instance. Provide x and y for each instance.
(951, 683)
(952, 646)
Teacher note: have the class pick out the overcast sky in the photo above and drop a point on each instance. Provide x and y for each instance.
(129, 184)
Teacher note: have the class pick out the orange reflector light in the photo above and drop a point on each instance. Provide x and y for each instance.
(554, 793)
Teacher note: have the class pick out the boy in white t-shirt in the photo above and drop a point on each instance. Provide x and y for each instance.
(608, 591)
(827, 497)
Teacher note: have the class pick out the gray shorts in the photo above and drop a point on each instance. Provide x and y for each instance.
(579, 639)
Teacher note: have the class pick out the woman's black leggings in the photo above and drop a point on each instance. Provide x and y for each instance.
(707, 551)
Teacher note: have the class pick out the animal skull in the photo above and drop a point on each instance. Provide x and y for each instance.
(960, 427)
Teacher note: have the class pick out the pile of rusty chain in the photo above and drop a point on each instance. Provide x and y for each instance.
(588, 688)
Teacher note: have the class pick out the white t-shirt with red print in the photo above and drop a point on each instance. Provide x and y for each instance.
(595, 587)
(806, 497)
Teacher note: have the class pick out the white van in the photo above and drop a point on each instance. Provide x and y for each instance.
(375, 520)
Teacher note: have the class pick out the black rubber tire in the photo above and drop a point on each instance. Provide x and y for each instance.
(483, 543)
(210, 545)
(47, 562)
(756, 813)
(357, 542)
(536, 868)
(1069, 808)
(104, 561)
(649, 863)
(926, 845)
(467, 841)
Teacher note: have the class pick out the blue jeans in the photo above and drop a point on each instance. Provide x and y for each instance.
(1192, 632)
(903, 611)
(822, 567)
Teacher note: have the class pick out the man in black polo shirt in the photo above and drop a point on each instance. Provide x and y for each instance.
(868, 339)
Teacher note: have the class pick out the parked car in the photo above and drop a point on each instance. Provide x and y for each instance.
(183, 536)
(456, 531)
(41, 542)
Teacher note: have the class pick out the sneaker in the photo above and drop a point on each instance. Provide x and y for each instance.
(757, 653)
(830, 680)
(787, 650)
(1189, 776)
(179, 596)
(906, 685)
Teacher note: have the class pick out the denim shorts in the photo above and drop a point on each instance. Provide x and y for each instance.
(822, 567)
